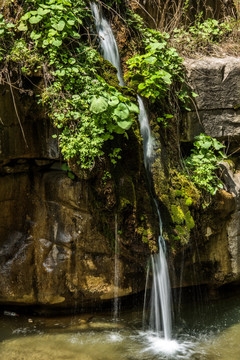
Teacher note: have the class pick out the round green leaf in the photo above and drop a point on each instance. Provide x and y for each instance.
(113, 101)
(35, 19)
(133, 108)
(98, 105)
(22, 26)
(121, 111)
(42, 11)
(125, 124)
(57, 42)
(59, 26)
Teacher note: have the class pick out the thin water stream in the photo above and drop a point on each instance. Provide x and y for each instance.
(109, 49)
(108, 45)
(160, 306)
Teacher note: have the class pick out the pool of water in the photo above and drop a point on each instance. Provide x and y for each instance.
(210, 333)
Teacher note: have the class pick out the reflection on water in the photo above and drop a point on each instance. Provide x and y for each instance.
(212, 336)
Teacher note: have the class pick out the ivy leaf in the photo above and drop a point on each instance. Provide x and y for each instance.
(98, 105)
(26, 16)
(75, 35)
(59, 26)
(122, 112)
(113, 101)
(65, 167)
(57, 42)
(35, 19)
(34, 35)
(151, 60)
(125, 124)
(71, 22)
(22, 26)
(71, 61)
(205, 144)
(217, 145)
(42, 11)
(71, 175)
(133, 108)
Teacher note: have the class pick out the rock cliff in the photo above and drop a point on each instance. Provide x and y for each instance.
(213, 255)
(57, 235)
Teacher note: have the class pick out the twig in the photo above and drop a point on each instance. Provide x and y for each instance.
(15, 107)
(143, 8)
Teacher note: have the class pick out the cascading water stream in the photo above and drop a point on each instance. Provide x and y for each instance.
(108, 43)
(110, 52)
(160, 304)
(160, 311)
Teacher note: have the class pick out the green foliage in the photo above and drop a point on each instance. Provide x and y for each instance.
(154, 72)
(89, 118)
(6, 33)
(203, 33)
(86, 109)
(164, 120)
(26, 58)
(66, 168)
(106, 176)
(203, 163)
(51, 22)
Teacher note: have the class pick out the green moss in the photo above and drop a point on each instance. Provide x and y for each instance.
(178, 193)
(127, 194)
(179, 196)
(188, 201)
(190, 223)
(177, 214)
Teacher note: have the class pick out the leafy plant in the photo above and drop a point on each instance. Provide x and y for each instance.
(203, 163)
(5, 35)
(86, 109)
(202, 34)
(154, 72)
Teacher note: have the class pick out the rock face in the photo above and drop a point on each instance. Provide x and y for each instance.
(35, 139)
(57, 235)
(213, 256)
(216, 82)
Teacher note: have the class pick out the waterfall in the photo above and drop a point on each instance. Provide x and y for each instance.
(110, 52)
(160, 311)
(148, 140)
(160, 304)
(108, 43)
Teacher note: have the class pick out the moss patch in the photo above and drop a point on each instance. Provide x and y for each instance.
(178, 198)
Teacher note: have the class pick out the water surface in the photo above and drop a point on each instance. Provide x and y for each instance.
(210, 334)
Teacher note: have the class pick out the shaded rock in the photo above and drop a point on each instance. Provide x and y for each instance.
(36, 129)
(54, 253)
